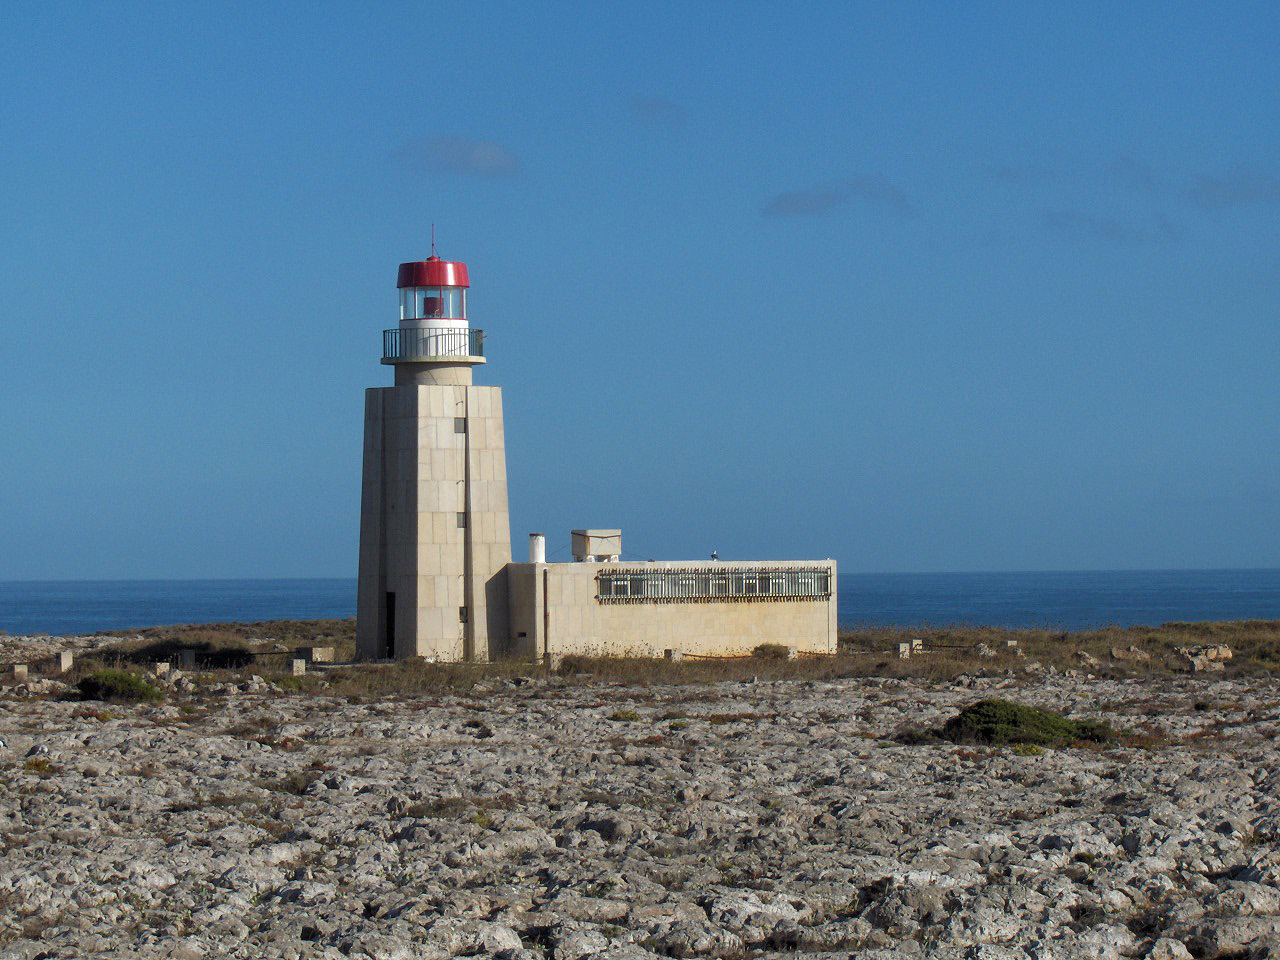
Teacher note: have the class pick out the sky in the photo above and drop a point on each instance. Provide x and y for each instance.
(917, 286)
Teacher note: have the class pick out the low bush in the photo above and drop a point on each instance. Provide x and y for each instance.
(117, 685)
(228, 646)
(1001, 722)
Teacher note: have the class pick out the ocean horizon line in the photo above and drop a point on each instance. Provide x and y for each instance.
(842, 573)
(1074, 599)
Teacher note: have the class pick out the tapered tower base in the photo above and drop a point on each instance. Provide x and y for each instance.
(435, 537)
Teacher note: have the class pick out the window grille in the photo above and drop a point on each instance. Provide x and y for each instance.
(705, 585)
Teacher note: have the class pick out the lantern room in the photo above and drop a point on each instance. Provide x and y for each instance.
(433, 337)
(433, 289)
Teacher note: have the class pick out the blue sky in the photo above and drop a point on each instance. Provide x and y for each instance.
(919, 286)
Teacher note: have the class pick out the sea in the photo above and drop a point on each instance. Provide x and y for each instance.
(1068, 600)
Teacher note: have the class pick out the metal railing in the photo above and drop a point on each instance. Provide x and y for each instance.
(717, 583)
(428, 343)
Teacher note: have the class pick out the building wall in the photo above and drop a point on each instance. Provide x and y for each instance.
(433, 453)
(555, 612)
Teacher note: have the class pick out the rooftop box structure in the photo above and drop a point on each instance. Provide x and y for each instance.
(602, 546)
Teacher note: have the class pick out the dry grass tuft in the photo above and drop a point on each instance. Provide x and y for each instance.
(950, 651)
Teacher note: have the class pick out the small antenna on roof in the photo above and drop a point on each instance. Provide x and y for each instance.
(433, 239)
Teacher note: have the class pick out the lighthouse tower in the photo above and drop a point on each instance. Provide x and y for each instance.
(435, 537)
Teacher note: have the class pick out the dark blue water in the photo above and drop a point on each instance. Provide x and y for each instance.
(1072, 600)
(66, 607)
(1069, 600)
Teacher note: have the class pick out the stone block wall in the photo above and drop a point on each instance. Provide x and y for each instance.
(555, 612)
(434, 527)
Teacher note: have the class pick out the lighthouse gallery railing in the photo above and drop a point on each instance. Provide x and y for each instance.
(426, 343)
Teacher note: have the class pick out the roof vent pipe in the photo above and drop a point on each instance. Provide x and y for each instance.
(537, 548)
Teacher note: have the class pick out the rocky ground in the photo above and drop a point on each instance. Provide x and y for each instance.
(565, 819)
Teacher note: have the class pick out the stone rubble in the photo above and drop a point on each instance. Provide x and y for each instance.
(566, 820)
(1207, 657)
(42, 648)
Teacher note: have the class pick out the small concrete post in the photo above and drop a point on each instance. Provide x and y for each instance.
(299, 667)
(904, 651)
(917, 644)
(1011, 644)
(162, 668)
(63, 661)
(316, 654)
(18, 671)
(187, 658)
(672, 655)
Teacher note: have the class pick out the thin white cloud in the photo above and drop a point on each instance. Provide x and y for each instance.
(1243, 188)
(462, 156)
(1072, 225)
(804, 203)
(876, 189)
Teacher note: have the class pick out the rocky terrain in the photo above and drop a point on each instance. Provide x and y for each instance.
(562, 818)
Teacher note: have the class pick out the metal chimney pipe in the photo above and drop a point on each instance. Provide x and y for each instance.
(537, 548)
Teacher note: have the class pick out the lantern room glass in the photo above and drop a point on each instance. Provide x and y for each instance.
(430, 303)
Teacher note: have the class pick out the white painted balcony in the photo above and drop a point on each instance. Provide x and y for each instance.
(408, 344)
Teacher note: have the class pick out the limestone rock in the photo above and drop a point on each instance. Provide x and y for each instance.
(779, 819)
(1206, 658)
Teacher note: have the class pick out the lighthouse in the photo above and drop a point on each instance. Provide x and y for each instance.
(435, 535)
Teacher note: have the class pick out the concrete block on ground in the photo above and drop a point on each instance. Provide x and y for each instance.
(63, 661)
(917, 644)
(298, 666)
(187, 659)
(672, 655)
(904, 651)
(18, 671)
(316, 654)
(162, 668)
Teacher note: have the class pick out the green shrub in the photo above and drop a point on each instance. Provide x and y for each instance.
(624, 716)
(771, 651)
(1000, 722)
(117, 685)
